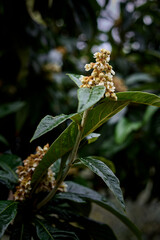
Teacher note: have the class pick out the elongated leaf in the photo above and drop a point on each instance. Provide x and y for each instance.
(48, 123)
(103, 171)
(72, 197)
(8, 163)
(90, 195)
(65, 142)
(8, 210)
(90, 226)
(101, 114)
(92, 137)
(43, 230)
(3, 140)
(139, 97)
(59, 147)
(21, 231)
(109, 163)
(47, 232)
(124, 128)
(89, 96)
(9, 108)
(95, 118)
(75, 78)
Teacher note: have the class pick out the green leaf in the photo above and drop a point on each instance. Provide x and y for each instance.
(90, 195)
(9, 108)
(59, 147)
(139, 97)
(92, 137)
(101, 114)
(149, 113)
(109, 163)
(138, 77)
(48, 123)
(9, 163)
(103, 171)
(95, 118)
(65, 142)
(47, 232)
(70, 215)
(3, 140)
(43, 230)
(75, 78)
(70, 196)
(21, 231)
(124, 128)
(8, 210)
(11, 160)
(89, 96)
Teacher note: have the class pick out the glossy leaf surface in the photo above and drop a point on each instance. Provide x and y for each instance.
(47, 232)
(103, 171)
(89, 194)
(139, 97)
(8, 210)
(59, 147)
(48, 123)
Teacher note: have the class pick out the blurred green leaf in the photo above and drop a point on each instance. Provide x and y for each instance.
(149, 113)
(103, 171)
(48, 123)
(3, 140)
(89, 96)
(138, 77)
(9, 108)
(124, 128)
(8, 210)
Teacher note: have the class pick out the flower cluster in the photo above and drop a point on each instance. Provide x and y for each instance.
(26, 171)
(102, 74)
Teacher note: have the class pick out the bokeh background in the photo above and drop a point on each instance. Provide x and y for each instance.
(43, 40)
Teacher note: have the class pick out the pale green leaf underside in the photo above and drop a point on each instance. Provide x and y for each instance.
(75, 78)
(103, 171)
(87, 97)
(92, 137)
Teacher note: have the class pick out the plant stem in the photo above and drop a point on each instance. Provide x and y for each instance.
(71, 160)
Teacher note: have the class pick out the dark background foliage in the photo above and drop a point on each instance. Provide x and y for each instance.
(43, 40)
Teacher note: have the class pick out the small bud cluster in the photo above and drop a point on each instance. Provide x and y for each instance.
(102, 74)
(26, 171)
